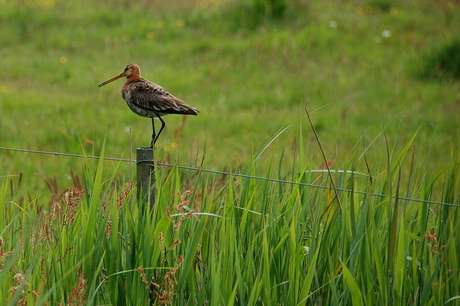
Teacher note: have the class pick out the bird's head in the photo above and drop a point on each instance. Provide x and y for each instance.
(131, 71)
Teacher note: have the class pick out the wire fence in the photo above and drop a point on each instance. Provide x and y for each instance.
(231, 174)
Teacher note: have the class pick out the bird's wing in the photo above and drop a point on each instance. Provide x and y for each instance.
(153, 97)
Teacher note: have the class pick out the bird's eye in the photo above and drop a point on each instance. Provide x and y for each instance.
(126, 68)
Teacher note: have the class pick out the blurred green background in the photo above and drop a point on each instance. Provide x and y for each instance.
(369, 72)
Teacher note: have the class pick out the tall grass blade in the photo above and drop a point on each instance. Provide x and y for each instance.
(308, 280)
(400, 264)
(398, 162)
(356, 295)
(394, 223)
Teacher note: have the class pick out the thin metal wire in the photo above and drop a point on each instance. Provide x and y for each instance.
(230, 174)
(65, 154)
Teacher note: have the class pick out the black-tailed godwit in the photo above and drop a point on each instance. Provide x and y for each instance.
(148, 99)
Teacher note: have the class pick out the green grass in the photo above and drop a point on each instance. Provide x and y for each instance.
(332, 58)
(217, 240)
(72, 230)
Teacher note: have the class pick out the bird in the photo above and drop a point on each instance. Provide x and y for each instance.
(148, 99)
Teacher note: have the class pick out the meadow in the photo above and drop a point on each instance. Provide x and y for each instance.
(363, 203)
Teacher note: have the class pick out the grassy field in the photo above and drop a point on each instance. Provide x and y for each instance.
(224, 240)
(353, 66)
(380, 102)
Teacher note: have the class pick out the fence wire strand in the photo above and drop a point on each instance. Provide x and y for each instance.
(261, 178)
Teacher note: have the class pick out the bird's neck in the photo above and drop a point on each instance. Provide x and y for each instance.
(132, 78)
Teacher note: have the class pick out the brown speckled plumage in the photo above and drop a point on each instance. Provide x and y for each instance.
(148, 99)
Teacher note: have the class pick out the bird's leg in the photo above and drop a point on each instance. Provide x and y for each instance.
(162, 127)
(153, 135)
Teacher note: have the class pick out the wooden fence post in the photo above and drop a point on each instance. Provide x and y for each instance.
(145, 176)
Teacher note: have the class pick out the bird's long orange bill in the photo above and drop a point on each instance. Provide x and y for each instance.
(110, 80)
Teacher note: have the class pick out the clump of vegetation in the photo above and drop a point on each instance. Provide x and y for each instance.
(269, 8)
(250, 15)
(443, 61)
(382, 5)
